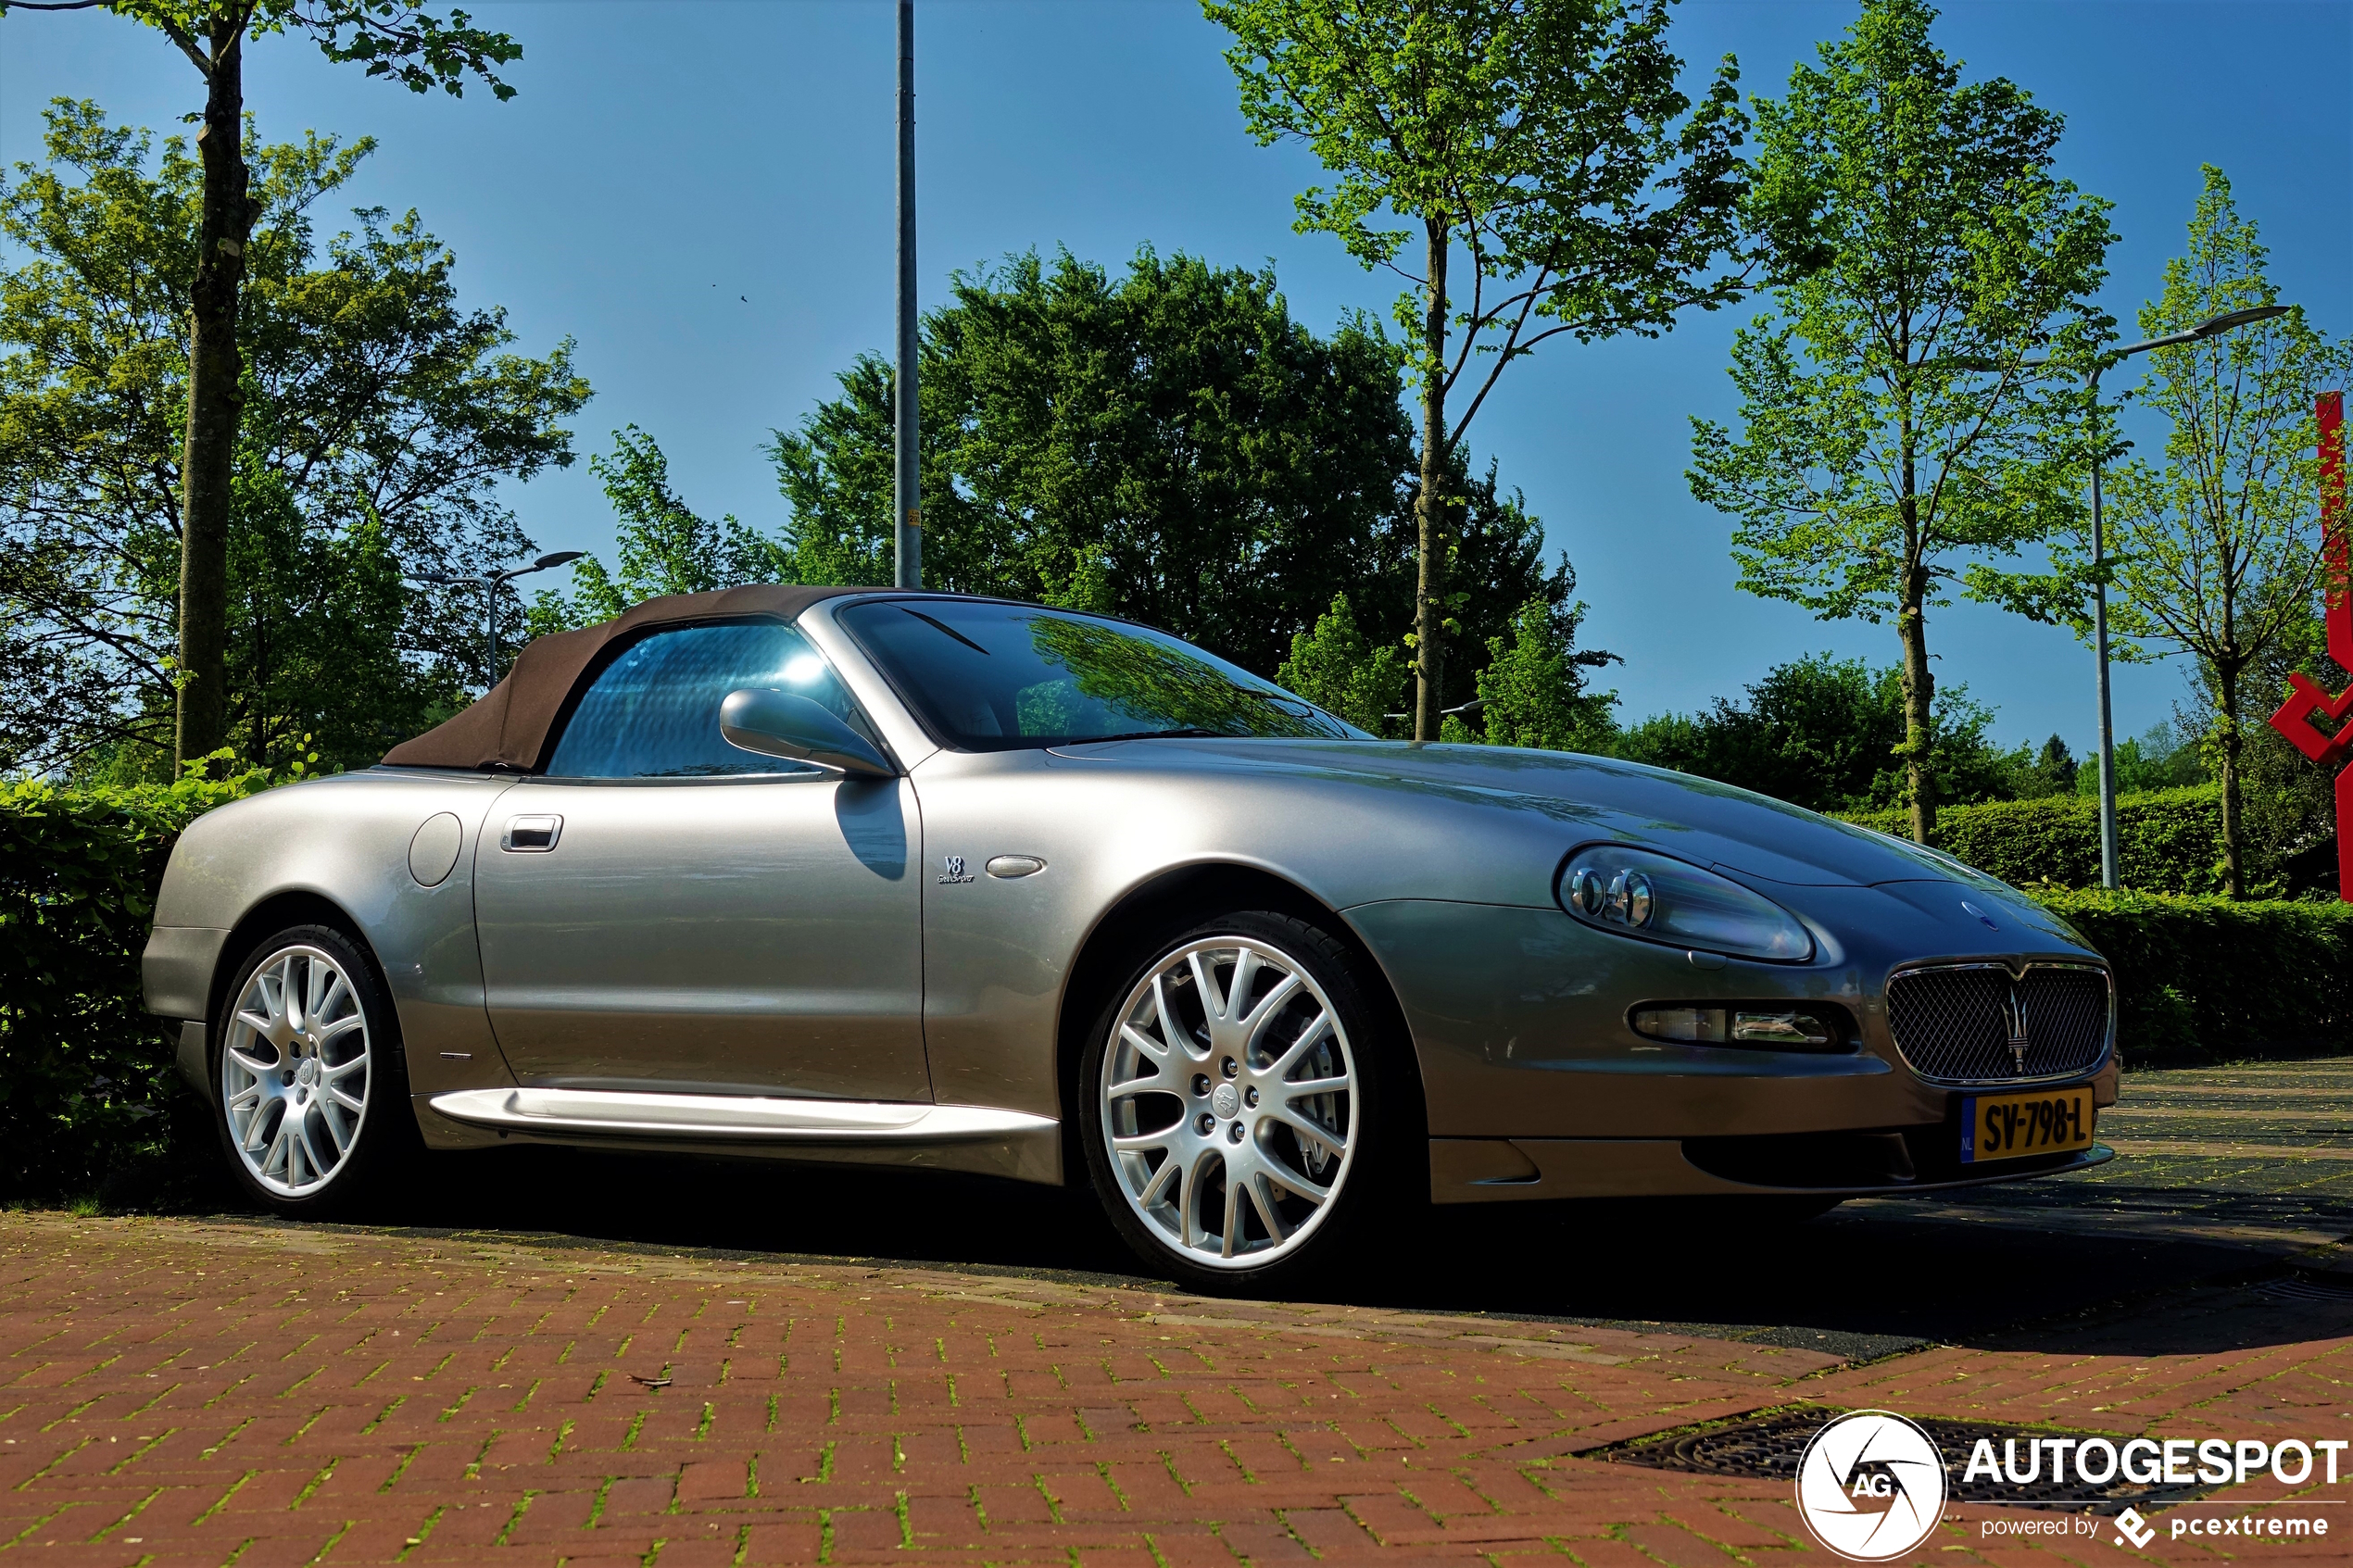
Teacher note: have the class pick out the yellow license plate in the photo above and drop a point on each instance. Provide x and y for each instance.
(2012, 1126)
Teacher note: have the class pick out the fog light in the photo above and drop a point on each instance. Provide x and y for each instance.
(1801, 1030)
(1698, 1025)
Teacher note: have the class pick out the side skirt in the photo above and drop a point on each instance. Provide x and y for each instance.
(962, 1137)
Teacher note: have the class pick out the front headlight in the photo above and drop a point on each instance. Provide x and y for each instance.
(1642, 893)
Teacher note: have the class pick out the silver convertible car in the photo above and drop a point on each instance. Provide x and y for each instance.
(921, 879)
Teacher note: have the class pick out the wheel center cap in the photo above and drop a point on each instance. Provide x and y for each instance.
(1226, 1101)
(307, 1074)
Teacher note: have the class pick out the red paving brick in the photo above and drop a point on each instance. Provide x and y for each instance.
(193, 1392)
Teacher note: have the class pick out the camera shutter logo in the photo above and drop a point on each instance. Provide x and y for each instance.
(1871, 1485)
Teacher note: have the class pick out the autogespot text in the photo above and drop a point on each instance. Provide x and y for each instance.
(2152, 1462)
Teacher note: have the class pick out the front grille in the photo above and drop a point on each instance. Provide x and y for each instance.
(1964, 1024)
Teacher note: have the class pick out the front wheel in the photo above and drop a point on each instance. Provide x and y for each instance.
(1242, 1089)
(311, 1094)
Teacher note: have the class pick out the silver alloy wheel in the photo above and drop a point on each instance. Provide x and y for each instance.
(294, 1071)
(1228, 1101)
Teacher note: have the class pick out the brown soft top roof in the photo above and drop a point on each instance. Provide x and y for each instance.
(508, 727)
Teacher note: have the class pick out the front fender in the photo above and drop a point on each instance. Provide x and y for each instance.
(239, 872)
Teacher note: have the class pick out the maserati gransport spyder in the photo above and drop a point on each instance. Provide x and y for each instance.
(923, 879)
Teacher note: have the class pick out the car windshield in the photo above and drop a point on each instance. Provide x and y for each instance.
(1001, 677)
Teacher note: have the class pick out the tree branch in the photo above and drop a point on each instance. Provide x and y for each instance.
(179, 35)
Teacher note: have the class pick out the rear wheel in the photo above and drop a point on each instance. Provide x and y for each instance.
(311, 1094)
(1241, 1091)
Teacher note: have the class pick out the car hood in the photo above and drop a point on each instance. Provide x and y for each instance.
(1693, 818)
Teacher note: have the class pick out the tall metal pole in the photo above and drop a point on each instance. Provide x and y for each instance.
(2109, 848)
(907, 553)
(490, 628)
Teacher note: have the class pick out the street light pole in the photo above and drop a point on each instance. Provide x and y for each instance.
(2111, 853)
(490, 627)
(907, 539)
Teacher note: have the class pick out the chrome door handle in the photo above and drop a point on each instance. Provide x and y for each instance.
(531, 835)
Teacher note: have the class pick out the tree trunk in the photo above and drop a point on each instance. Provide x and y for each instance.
(1920, 685)
(1430, 615)
(1920, 697)
(216, 400)
(2227, 696)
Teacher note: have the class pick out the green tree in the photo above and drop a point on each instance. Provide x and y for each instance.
(836, 474)
(1547, 142)
(1892, 439)
(2220, 547)
(1334, 666)
(1533, 691)
(377, 419)
(2159, 758)
(1167, 445)
(396, 39)
(1828, 734)
(662, 546)
(2052, 771)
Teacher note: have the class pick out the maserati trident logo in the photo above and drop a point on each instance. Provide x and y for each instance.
(2014, 1021)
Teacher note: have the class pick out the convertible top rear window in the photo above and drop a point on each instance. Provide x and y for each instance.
(1003, 677)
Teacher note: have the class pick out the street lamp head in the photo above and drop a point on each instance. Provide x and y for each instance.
(2229, 320)
(562, 558)
(440, 577)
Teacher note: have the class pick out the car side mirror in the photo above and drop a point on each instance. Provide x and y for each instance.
(776, 724)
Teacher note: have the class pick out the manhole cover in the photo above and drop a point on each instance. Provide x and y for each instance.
(1768, 1446)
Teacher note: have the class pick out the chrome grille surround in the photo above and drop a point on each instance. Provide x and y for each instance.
(1977, 1023)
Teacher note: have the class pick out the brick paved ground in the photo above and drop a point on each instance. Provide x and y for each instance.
(216, 1391)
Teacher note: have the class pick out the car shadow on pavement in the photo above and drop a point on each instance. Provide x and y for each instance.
(2056, 1264)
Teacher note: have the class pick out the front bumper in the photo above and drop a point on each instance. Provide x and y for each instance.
(1524, 1169)
(1537, 1086)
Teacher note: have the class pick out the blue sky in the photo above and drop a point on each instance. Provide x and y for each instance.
(700, 194)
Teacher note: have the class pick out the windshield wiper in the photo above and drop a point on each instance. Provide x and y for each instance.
(950, 631)
(1151, 735)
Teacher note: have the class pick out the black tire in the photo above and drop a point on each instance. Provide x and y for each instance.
(1372, 1178)
(308, 1078)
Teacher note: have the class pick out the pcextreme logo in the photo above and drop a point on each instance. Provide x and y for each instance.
(1871, 1485)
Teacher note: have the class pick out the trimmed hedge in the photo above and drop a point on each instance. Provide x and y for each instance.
(2205, 979)
(87, 1089)
(2170, 840)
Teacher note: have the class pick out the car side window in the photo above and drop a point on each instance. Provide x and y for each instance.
(653, 713)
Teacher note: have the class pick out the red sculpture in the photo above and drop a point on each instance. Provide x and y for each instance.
(2309, 704)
